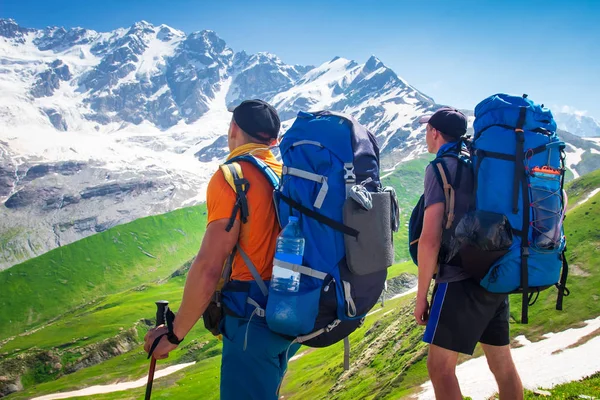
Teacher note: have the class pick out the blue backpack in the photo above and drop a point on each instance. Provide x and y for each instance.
(331, 183)
(519, 175)
(325, 155)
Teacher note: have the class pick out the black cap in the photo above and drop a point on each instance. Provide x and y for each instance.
(258, 119)
(449, 121)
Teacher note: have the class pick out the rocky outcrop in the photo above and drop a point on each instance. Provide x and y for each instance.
(49, 80)
(59, 39)
(115, 189)
(29, 196)
(261, 75)
(217, 150)
(63, 168)
(56, 119)
(42, 366)
(400, 284)
(7, 178)
(100, 352)
(10, 385)
(11, 30)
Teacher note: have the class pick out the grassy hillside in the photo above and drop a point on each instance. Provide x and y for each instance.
(407, 179)
(587, 388)
(120, 258)
(579, 189)
(69, 338)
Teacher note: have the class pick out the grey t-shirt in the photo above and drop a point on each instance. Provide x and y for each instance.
(434, 193)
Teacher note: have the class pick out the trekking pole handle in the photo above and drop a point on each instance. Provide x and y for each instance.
(161, 312)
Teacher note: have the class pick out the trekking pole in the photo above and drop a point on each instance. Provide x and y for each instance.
(161, 311)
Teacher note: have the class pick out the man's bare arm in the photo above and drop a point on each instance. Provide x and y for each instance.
(429, 246)
(205, 273)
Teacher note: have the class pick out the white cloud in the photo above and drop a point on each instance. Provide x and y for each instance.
(572, 110)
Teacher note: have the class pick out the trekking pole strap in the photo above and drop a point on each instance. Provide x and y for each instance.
(170, 317)
(346, 353)
(562, 286)
(524, 285)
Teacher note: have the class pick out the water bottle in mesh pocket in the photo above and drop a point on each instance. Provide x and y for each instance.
(548, 208)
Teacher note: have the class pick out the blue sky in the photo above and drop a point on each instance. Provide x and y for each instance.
(458, 52)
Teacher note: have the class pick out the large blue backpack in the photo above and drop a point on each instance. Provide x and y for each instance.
(331, 183)
(519, 173)
(348, 249)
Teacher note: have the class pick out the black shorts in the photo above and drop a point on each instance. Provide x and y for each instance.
(463, 313)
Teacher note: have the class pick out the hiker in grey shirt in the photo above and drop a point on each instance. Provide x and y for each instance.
(462, 312)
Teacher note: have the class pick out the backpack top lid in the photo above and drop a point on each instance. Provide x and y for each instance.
(503, 109)
(330, 130)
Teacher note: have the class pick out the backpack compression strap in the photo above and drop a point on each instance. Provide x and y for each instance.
(520, 177)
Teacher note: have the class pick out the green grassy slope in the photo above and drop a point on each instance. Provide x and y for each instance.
(407, 179)
(120, 258)
(106, 318)
(589, 386)
(579, 189)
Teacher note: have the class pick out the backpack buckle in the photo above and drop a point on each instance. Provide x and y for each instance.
(349, 175)
(332, 325)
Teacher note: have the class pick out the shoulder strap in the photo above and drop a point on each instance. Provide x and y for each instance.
(442, 174)
(240, 185)
(262, 166)
(232, 171)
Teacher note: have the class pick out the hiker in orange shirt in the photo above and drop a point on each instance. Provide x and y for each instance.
(254, 358)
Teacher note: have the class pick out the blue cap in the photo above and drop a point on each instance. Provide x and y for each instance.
(292, 219)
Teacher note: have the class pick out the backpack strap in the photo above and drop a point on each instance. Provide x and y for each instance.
(232, 171)
(442, 174)
(449, 194)
(562, 285)
(520, 179)
(235, 178)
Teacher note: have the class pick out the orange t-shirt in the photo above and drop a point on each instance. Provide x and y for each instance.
(258, 235)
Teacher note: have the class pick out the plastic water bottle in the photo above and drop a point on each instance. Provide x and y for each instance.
(290, 249)
(282, 305)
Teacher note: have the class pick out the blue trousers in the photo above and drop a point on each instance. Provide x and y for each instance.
(256, 372)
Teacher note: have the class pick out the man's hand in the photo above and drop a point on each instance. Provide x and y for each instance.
(164, 346)
(422, 310)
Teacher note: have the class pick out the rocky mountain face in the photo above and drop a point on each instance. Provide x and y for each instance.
(100, 128)
(578, 124)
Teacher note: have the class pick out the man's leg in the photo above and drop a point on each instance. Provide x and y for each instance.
(460, 313)
(444, 333)
(253, 373)
(441, 365)
(502, 366)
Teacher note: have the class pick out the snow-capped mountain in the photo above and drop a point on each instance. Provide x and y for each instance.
(100, 128)
(578, 124)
